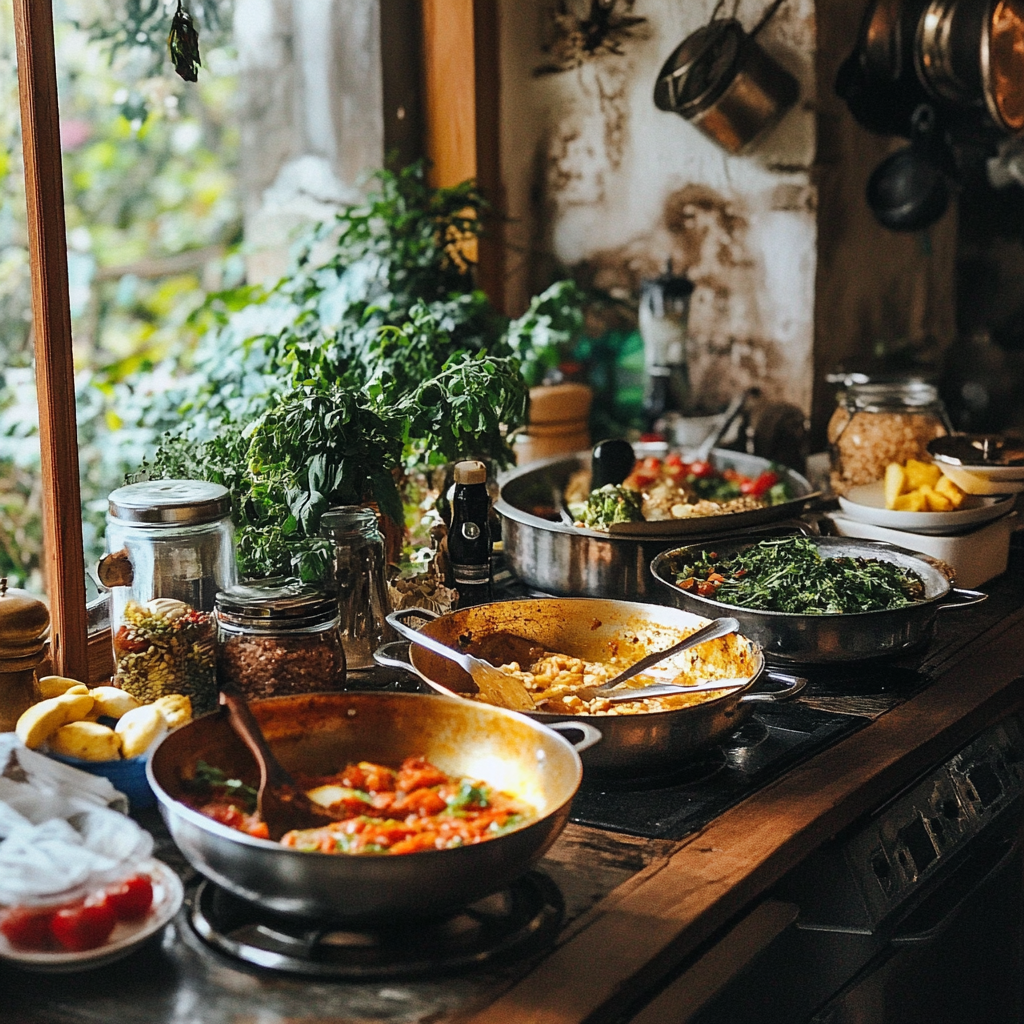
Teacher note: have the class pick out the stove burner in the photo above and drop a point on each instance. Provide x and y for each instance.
(739, 748)
(503, 926)
(707, 765)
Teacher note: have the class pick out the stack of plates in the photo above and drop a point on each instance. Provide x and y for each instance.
(981, 464)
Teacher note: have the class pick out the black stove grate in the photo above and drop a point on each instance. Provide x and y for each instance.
(500, 928)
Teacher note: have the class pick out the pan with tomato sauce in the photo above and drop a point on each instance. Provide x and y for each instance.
(380, 810)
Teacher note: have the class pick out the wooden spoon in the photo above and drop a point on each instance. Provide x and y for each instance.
(281, 803)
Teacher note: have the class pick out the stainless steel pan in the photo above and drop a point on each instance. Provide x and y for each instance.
(584, 628)
(826, 639)
(321, 733)
(559, 558)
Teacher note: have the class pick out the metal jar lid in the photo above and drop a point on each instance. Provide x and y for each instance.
(275, 603)
(169, 503)
(979, 450)
(349, 521)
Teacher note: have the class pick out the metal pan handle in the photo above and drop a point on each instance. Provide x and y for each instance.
(395, 620)
(395, 655)
(590, 734)
(960, 598)
(793, 684)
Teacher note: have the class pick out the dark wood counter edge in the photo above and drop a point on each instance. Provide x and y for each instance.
(649, 925)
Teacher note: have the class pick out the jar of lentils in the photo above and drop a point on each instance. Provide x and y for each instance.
(276, 637)
(878, 422)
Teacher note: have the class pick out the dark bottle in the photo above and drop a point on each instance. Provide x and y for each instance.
(469, 536)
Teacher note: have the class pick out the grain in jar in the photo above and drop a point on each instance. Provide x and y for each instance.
(876, 423)
(276, 637)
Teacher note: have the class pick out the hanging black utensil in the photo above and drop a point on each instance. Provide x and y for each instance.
(909, 190)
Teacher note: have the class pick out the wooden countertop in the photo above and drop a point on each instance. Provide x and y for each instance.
(653, 922)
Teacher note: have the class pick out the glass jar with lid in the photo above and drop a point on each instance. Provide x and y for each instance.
(276, 636)
(171, 547)
(881, 421)
(357, 578)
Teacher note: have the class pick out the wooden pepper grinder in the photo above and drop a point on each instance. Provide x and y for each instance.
(24, 623)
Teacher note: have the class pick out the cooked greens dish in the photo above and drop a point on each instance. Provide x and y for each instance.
(790, 575)
(611, 504)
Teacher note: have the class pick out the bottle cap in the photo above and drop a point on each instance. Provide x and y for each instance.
(470, 472)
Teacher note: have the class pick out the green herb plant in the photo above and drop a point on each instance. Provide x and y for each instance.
(372, 355)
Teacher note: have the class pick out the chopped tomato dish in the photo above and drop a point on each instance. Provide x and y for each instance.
(379, 810)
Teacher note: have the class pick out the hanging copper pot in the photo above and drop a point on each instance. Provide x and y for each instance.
(971, 54)
(725, 84)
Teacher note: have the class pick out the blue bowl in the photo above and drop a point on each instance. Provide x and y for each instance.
(128, 776)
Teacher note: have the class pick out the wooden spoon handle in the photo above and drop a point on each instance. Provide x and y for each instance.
(248, 730)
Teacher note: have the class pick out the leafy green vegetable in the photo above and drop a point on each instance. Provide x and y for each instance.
(470, 794)
(612, 504)
(313, 393)
(790, 575)
(209, 777)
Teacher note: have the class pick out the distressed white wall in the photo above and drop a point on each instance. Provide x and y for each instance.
(599, 180)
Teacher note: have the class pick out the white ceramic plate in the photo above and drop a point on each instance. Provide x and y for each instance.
(866, 504)
(984, 482)
(167, 896)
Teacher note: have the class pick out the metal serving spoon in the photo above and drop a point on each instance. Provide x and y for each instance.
(495, 686)
(712, 631)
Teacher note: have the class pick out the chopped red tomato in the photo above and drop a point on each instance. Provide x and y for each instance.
(25, 928)
(84, 925)
(132, 899)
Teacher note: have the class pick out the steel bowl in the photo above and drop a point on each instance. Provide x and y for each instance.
(321, 733)
(801, 640)
(560, 558)
(585, 628)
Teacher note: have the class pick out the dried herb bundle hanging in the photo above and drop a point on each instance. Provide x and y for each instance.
(183, 43)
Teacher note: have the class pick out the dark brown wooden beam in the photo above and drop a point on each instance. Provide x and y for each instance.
(51, 319)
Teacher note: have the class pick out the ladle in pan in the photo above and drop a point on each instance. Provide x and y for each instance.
(281, 803)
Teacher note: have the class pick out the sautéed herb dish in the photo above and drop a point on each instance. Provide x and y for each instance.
(791, 575)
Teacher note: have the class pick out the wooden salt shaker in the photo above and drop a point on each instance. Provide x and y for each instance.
(24, 623)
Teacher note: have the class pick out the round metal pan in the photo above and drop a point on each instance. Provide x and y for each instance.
(803, 640)
(321, 733)
(559, 558)
(584, 628)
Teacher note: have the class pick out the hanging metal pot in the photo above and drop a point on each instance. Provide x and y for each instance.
(724, 83)
(971, 54)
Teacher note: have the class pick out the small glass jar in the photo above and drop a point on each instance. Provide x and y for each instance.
(878, 422)
(275, 637)
(171, 547)
(357, 577)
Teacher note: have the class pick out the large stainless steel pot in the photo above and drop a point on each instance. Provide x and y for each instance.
(320, 733)
(827, 639)
(559, 558)
(584, 628)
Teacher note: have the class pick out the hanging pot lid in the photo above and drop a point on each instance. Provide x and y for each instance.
(977, 450)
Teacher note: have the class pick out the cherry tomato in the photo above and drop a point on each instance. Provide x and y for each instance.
(84, 925)
(131, 899)
(762, 485)
(27, 929)
(701, 469)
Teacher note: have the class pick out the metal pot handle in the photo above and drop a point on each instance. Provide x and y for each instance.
(390, 655)
(793, 684)
(395, 620)
(960, 598)
(590, 734)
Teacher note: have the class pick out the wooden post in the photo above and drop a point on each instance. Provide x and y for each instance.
(51, 318)
(461, 111)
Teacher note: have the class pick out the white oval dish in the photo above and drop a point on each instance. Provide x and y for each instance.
(866, 504)
(168, 894)
(983, 481)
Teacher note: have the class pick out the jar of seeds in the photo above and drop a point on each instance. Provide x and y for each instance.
(276, 636)
(171, 547)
